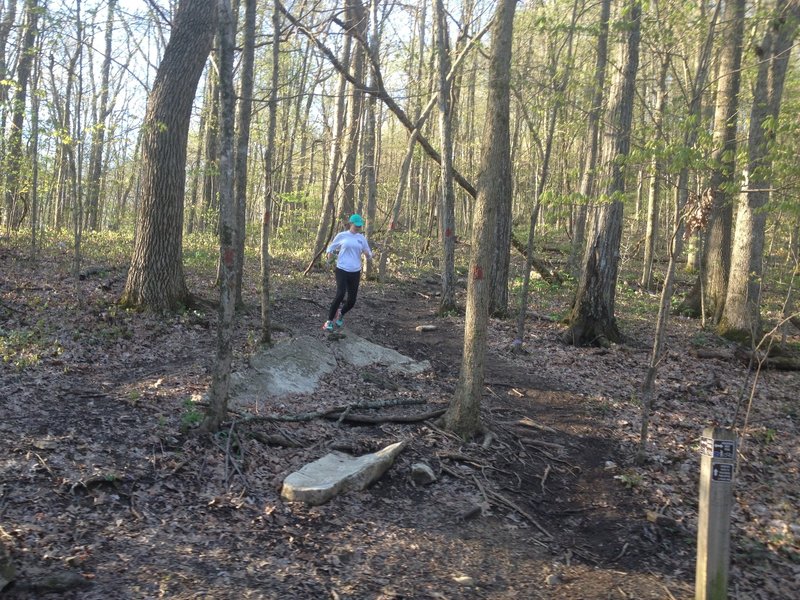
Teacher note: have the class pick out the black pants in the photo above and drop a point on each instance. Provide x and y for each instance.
(346, 282)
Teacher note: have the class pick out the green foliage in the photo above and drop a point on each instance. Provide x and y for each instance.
(25, 347)
(192, 416)
(630, 479)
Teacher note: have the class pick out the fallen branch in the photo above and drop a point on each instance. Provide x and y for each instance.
(542, 443)
(367, 419)
(499, 500)
(528, 422)
(321, 414)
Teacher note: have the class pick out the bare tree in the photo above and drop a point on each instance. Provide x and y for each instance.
(243, 117)
(494, 188)
(447, 221)
(221, 372)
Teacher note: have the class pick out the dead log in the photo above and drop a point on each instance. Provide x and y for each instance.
(551, 276)
(706, 353)
(376, 420)
(777, 363)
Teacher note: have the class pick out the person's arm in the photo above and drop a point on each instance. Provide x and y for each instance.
(367, 250)
(334, 245)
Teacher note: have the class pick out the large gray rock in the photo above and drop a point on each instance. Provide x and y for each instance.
(321, 480)
(296, 366)
(359, 352)
(291, 367)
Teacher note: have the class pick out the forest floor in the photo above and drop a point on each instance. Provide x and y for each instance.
(107, 490)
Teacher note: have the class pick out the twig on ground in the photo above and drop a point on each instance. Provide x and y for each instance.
(343, 416)
(498, 499)
(544, 479)
(390, 418)
(310, 416)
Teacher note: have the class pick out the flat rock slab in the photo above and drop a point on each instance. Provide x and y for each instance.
(334, 473)
(296, 366)
(359, 352)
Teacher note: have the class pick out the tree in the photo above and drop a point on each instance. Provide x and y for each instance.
(243, 117)
(269, 191)
(592, 320)
(447, 221)
(741, 317)
(99, 130)
(221, 372)
(710, 287)
(494, 188)
(595, 112)
(15, 205)
(155, 278)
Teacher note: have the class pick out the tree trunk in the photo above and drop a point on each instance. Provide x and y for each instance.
(99, 131)
(592, 319)
(15, 210)
(328, 206)
(356, 25)
(221, 373)
(710, 288)
(243, 116)
(447, 199)
(651, 231)
(741, 317)
(269, 192)
(595, 112)
(155, 278)
(494, 185)
(370, 153)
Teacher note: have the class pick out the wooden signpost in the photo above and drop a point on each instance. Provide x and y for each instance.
(717, 467)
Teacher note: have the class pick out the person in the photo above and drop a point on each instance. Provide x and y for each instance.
(349, 246)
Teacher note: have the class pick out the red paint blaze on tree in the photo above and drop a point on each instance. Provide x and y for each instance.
(391, 225)
(267, 216)
(227, 256)
(448, 232)
(477, 273)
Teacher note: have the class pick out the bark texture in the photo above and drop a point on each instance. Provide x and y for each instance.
(494, 185)
(592, 319)
(155, 279)
(741, 317)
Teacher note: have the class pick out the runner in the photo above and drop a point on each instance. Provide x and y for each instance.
(349, 246)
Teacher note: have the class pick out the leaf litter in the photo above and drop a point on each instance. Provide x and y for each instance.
(107, 489)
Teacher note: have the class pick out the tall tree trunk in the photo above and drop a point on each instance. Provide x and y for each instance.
(99, 131)
(370, 154)
(712, 281)
(592, 320)
(651, 229)
(9, 16)
(741, 317)
(269, 167)
(447, 199)
(243, 116)
(221, 372)
(494, 189)
(328, 205)
(155, 278)
(357, 25)
(15, 210)
(559, 86)
(595, 112)
(211, 149)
